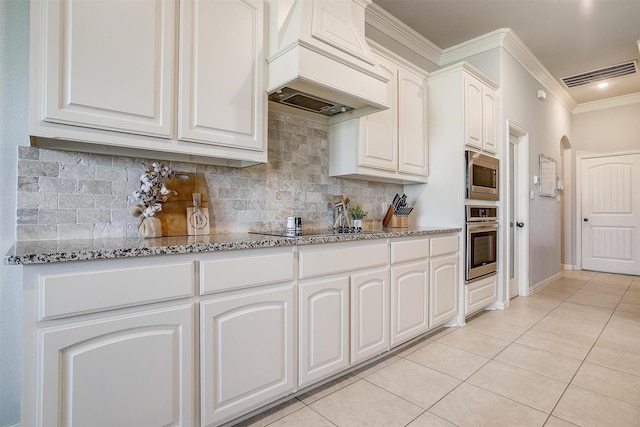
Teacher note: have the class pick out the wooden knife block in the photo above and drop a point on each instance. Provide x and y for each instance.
(173, 215)
(394, 221)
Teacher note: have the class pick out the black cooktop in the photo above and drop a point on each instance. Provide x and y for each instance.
(310, 233)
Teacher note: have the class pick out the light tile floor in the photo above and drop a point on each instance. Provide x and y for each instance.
(568, 355)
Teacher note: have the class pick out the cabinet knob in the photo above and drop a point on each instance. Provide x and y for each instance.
(520, 224)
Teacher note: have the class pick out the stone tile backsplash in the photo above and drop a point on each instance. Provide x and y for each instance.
(71, 195)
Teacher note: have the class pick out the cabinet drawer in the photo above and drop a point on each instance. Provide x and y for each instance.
(409, 250)
(444, 245)
(71, 293)
(341, 257)
(244, 270)
(480, 294)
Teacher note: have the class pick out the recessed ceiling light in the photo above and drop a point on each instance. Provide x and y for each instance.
(602, 85)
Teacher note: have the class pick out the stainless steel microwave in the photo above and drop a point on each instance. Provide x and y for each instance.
(482, 176)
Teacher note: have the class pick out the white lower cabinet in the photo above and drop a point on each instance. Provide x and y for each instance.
(443, 289)
(324, 329)
(109, 343)
(130, 370)
(117, 343)
(409, 300)
(480, 294)
(247, 351)
(444, 279)
(369, 314)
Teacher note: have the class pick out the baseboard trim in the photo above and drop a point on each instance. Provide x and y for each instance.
(569, 267)
(538, 286)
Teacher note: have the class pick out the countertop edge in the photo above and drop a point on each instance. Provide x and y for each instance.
(54, 251)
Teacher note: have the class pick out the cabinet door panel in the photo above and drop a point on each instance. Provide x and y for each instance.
(130, 370)
(443, 290)
(473, 112)
(480, 294)
(489, 120)
(369, 314)
(409, 300)
(324, 329)
(247, 350)
(222, 97)
(379, 139)
(109, 64)
(412, 126)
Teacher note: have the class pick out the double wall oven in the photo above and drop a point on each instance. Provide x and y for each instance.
(482, 175)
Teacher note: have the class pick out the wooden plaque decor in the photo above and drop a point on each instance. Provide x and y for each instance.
(174, 212)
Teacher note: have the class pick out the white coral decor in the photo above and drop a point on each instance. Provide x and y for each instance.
(152, 193)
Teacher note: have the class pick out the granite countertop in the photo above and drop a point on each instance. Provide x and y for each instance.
(50, 251)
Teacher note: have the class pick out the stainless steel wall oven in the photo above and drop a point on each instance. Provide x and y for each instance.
(481, 242)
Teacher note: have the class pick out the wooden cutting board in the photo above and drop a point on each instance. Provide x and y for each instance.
(174, 211)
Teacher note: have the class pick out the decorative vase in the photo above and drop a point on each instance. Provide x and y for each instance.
(357, 223)
(150, 227)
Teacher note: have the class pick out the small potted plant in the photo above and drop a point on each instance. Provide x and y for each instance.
(357, 214)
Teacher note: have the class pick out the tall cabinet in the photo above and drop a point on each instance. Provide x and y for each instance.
(159, 76)
(463, 106)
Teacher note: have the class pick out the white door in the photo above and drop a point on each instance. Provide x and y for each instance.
(518, 213)
(611, 214)
(513, 274)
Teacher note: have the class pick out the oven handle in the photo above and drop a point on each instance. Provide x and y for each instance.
(478, 228)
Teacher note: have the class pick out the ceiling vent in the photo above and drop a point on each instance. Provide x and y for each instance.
(619, 70)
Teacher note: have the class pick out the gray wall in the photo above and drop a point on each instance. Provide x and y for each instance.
(607, 130)
(14, 67)
(547, 122)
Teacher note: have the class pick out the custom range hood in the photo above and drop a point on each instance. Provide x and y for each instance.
(319, 60)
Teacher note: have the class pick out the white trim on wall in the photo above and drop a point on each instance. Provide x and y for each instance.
(602, 104)
(391, 26)
(538, 286)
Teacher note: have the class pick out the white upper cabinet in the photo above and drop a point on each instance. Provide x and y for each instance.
(413, 139)
(221, 73)
(480, 114)
(107, 64)
(161, 79)
(389, 145)
(378, 142)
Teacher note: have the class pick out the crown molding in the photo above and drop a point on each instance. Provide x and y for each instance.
(391, 26)
(523, 55)
(484, 43)
(602, 104)
(508, 40)
(503, 38)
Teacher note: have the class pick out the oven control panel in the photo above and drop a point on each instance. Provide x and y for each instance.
(482, 213)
